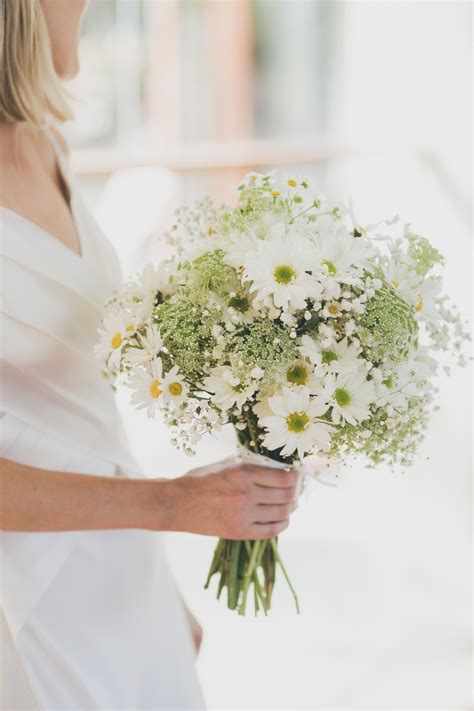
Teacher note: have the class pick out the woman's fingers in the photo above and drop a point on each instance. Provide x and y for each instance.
(272, 495)
(270, 514)
(266, 530)
(279, 478)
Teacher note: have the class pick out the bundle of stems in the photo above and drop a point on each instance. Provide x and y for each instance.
(243, 564)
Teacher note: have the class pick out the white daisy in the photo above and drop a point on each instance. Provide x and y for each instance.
(350, 397)
(148, 387)
(404, 280)
(269, 225)
(302, 374)
(426, 295)
(239, 245)
(279, 268)
(332, 356)
(174, 387)
(332, 310)
(112, 337)
(294, 426)
(227, 390)
(142, 293)
(151, 345)
(342, 256)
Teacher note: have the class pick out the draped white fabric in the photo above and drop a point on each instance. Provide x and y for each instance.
(90, 619)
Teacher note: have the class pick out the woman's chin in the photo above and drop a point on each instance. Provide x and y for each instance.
(67, 70)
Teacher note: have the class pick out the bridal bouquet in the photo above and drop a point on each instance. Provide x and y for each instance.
(308, 332)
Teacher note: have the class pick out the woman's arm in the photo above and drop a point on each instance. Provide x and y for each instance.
(226, 499)
(34, 499)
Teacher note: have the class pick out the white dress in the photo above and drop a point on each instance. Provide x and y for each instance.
(89, 620)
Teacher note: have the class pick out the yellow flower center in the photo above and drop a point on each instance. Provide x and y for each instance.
(395, 284)
(284, 274)
(333, 309)
(342, 397)
(155, 389)
(328, 356)
(275, 193)
(297, 422)
(292, 183)
(175, 389)
(130, 327)
(297, 374)
(419, 306)
(116, 341)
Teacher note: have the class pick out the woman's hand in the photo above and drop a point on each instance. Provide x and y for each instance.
(230, 499)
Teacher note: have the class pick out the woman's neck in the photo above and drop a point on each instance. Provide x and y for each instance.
(18, 141)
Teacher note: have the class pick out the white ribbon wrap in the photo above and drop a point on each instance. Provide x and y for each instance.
(310, 468)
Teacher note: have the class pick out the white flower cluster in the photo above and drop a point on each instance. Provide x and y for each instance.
(281, 315)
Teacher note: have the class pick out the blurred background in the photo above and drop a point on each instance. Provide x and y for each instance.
(177, 99)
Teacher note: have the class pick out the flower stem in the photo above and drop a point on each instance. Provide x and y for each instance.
(215, 561)
(233, 585)
(248, 575)
(278, 559)
(253, 433)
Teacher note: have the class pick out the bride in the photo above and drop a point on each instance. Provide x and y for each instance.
(91, 617)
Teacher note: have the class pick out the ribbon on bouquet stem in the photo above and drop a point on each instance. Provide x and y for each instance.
(309, 468)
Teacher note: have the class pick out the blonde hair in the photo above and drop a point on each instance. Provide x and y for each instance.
(30, 89)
